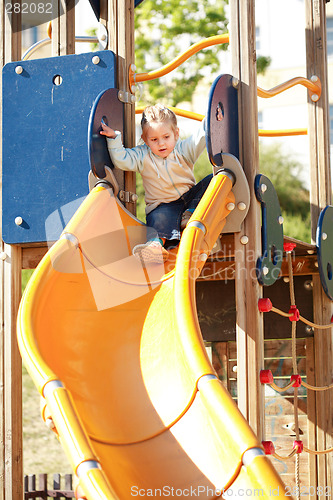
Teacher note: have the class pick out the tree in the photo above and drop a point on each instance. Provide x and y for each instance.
(163, 29)
(285, 174)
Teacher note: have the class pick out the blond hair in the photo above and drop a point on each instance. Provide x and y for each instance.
(158, 114)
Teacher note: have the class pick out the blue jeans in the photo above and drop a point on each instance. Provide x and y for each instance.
(165, 219)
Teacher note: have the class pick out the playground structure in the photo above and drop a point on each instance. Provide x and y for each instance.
(249, 324)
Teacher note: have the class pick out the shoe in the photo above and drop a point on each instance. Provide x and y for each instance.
(151, 252)
(185, 218)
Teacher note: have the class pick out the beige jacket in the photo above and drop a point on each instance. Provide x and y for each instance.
(164, 179)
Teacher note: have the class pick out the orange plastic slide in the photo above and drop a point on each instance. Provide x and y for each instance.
(115, 349)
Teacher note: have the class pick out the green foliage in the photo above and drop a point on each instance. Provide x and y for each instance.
(26, 274)
(162, 31)
(296, 226)
(262, 64)
(284, 173)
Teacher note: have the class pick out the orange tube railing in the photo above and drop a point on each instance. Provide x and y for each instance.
(262, 133)
(282, 133)
(179, 112)
(313, 85)
(175, 63)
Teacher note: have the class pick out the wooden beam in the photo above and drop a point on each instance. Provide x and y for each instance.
(249, 328)
(311, 408)
(11, 477)
(118, 17)
(320, 196)
(12, 376)
(63, 27)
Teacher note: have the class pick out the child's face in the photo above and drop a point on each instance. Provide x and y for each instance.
(161, 138)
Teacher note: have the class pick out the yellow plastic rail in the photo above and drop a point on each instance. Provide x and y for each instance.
(262, 133)
(175, 63)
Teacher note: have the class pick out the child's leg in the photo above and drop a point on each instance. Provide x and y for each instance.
(192, 198)
(163, 224)
(151, 252)
(165, 221)
(194, 195)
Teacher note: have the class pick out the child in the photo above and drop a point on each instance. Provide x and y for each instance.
(166, 166)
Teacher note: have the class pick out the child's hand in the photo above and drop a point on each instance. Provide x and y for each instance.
(107, 131)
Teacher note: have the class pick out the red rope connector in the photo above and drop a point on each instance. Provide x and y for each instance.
(294, 312)
(264, 305)
(297, 380)
(299, 446)
(288, 246)
(266, 377)
(269, 448)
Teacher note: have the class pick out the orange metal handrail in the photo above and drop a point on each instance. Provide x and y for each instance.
(313, 85)
(179, 112)
(262, 133)
(283, 132)
(167, 68)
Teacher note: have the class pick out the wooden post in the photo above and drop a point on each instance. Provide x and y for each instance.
(249, 327)
(63, 27)
(10, 275)
(320, 196)
(118, 17)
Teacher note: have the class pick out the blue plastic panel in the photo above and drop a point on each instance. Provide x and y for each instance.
(324, 243)
(222, 134)
(45, 152)
(110, 110)
(269, 263)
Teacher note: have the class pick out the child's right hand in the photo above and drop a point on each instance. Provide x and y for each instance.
(107, 131)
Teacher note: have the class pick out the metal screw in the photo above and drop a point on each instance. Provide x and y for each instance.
(203, 257)
(235, 82)
(324, 236)
(314, 98)
(241, 206)
(230, 206)
(49, 423)
(3, 256)
(263, 188)
(280, 220)
(308, 329)
(19, 70)
(308, 285)
(18, 221)
(265, 270)
(96, 60)
(134, 197)
(244, 239)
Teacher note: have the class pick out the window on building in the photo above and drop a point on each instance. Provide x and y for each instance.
(260, 120)
(329, 26)
(29, 36)
(258, 44)
(331, 124)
